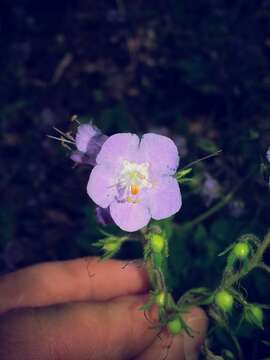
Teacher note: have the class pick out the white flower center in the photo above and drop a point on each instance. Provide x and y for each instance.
(133, 178)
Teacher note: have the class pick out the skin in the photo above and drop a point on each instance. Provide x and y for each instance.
(86, 309)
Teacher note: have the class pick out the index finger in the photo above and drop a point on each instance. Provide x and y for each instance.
(68, 281)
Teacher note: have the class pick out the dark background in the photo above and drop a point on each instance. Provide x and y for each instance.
(196, 71)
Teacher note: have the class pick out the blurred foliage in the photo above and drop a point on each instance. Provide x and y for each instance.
(195, 71)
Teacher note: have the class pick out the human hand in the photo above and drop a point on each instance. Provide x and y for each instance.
(86, 309)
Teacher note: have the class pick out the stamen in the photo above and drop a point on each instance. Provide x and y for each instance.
(132, 179)
(66, 135)
(134, 189)
(62, 139)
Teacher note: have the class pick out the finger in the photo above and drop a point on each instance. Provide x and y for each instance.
(68, 281)
(198, 322)
(115, 330)
(182, 346)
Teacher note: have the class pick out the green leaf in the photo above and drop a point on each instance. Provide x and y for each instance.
(182, 173)
(254, 315)
(146, 306)
(231, 261)
(227, 249)
(186, 181)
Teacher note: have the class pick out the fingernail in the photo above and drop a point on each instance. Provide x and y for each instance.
(197, 321)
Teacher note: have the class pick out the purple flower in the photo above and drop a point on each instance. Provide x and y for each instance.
(134, 179)
(89, 141)
(210, 189)
(236, 208)
(268, 154)
(268, 158)
(181, 144)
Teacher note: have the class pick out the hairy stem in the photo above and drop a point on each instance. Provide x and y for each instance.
(264, 267)
(255, 262)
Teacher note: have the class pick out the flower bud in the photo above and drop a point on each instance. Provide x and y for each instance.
(111, 246)
(160, 298)
(157, 243)
(224, 300)
(254, 315)
(175, 326)
(241, 250)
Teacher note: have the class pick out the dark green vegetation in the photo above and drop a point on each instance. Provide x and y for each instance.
(196, 71)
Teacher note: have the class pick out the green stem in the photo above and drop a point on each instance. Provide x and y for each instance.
(264, 267)
(256, 261)
(223, 202)
(259, 254)
(222, 323)
(210, 212)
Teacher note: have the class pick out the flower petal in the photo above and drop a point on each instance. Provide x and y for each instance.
(103, 216)
(101, 185)
(82, 158)
(164, 199)
(85, 133)
(130, 217)
(161, 152)
(268, 154)
(119, 147)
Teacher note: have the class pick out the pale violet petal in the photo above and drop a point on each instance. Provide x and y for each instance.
(129, 216)
(101, 186)
(119, 147)
(160, 152)
(164, 198)
(85, 133)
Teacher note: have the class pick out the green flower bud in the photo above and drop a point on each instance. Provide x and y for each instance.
(175, 326)
(241, 250)
(257, 312)
(157, 243)
(224, 300)
(160, 298)
(111, 246)
(254, 315)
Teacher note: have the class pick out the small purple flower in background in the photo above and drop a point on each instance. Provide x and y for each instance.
(210, 189)
(268, 154)
(89, 141)
(181, 143)
(268, 158)
(135, 179)
(237, 208)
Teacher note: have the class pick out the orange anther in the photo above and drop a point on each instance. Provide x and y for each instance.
(134, 189)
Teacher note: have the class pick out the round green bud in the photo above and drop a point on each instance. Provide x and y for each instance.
(241, 250)
(111, 246)
(224, 300)
(157, 243)
(257, 313)
(175, 326)
(160, 298)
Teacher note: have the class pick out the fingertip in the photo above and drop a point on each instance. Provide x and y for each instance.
(137, 328)
(181, 346)
(198, 323)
